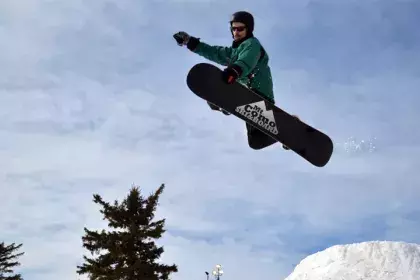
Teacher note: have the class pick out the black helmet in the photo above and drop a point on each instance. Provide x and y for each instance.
(244, 17)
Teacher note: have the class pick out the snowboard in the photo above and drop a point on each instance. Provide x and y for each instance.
(205, 80)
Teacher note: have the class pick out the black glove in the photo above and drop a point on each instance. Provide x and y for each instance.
(230, 74)
(184, 39)
(181, 38)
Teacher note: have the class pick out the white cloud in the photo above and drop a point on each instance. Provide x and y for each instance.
(93, 99)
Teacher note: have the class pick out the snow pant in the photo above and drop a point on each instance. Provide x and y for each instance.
(256, 139)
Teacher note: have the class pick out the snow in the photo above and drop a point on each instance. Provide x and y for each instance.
(375, 260)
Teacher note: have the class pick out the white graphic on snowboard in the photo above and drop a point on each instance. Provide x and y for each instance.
(258, 113)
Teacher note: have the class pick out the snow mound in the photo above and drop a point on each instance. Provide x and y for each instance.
(376, 260)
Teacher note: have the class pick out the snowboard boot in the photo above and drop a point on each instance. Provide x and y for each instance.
(284, 146)
(216, 108)
(225, 112)
(213, 107)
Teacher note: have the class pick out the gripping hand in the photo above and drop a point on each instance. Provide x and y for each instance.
(230, 74)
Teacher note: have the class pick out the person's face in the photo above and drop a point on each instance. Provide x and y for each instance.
(238, 30)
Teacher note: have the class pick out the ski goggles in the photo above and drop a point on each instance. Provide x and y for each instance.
(238, 28)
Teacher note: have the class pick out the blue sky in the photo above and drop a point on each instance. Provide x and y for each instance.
(93, 99)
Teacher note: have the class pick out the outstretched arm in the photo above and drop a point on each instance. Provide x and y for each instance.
(218, 54)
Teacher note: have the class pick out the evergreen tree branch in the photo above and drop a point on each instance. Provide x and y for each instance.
(128, 252)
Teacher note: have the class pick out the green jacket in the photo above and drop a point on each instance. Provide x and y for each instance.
(246, 56)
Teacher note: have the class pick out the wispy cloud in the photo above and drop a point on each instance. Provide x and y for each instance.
(93, 99)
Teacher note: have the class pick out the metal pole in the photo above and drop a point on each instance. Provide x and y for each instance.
(217, 272)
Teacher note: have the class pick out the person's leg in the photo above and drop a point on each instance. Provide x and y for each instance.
(257, 139)
(260, 140)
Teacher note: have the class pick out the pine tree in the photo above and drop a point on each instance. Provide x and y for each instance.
(7, 261)
(128, 252)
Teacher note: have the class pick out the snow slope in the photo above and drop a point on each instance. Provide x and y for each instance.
(376, 260)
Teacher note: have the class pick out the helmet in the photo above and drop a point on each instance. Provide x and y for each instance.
(244, 17)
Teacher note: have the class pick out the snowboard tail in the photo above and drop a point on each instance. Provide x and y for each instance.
(205, 80)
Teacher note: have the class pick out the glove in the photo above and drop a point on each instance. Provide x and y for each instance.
(182, 38)
(230, 74)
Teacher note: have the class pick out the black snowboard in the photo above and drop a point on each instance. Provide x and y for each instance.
(205, 81)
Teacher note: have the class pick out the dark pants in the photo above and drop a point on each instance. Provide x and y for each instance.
(257, 139)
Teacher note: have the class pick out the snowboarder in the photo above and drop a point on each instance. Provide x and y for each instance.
(246, 62)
